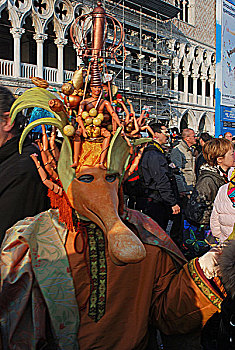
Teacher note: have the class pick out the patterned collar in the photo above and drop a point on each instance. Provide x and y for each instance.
(157, 145)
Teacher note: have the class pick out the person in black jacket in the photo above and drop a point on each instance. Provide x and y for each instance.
(22, 192)
(200, 160)
(158, 200)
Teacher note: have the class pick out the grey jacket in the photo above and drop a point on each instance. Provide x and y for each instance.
(183, 158)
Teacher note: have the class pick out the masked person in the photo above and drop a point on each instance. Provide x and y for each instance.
(90, 273)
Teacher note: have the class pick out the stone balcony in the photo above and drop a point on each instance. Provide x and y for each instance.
(28, 70)
(194, 99)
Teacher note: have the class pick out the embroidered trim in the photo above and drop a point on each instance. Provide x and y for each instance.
(209, 292)
(98, 271)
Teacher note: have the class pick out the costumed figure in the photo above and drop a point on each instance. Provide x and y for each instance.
(90, 273)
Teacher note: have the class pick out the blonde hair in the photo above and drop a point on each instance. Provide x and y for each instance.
(216, 148)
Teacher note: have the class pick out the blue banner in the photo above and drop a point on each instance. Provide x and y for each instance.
(227, 119)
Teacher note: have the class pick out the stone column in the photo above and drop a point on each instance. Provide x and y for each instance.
(39, 38)
(185, 86)
(211, 92)
(176, 77)
(203, 79)
(17, 33)
(79, 59)
(184, 3)
(60, 45)
(194, 88)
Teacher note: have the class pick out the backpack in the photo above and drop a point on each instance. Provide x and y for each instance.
(133, 186)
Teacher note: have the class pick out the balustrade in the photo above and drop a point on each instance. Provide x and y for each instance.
(68, 75)
(50, 74)
(135, 86)
(190, 98)
(6, 67)
(28, 70)
(199, 99)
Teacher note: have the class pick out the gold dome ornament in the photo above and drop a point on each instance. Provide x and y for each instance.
(85, 114)
(100, 116)
(93, 112)
(69, 130)
(97, 121)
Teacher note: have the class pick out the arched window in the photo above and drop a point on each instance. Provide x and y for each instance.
(6, 38)
(70, 55)
(202, 123)
(28, 44)
(186, 10)
(199, 86)
(207, 85)
(181, 78)
(190, 80)
(184, 122)
(50, 56)
(184, 7)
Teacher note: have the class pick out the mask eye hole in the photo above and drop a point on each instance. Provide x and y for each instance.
(86, 178)
(111, 177)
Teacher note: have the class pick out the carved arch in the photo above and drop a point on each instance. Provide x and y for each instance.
(191, 119)
(206, 123)
(3, 5)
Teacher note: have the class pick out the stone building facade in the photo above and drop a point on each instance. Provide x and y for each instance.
(170, 63)
(193, 64)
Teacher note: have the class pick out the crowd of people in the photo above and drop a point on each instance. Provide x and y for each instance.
(181, 177)
(186, 184)
(188, 188)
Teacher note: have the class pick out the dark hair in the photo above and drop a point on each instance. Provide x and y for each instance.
(6, 101)
(156, 127)
(205, 136)
(216, 148)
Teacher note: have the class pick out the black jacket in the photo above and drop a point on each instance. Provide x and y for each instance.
(22, 192)
(199, 162)
(200, 204)
(155, 175)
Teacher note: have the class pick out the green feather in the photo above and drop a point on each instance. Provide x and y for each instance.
(137, 142)
(118, 153)
(36, 97)
(48, 121)
(65, 172)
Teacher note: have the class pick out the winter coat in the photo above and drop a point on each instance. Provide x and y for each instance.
(223, 215)
(183, 158)
(199, 162)
(22, 192)
(200, 204)
(155, 175)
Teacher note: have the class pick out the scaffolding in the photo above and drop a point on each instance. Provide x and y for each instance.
(145, 76)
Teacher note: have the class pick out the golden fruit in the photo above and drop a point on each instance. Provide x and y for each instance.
(100, 116)
(89, 120)
(85, 114)
(93, 112)
(67, 89)
(96, 132)
(97, 121)
(89, 131)
(69, 130)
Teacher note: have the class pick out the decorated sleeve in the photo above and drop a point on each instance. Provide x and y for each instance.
(22, 310)
(183, 301)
